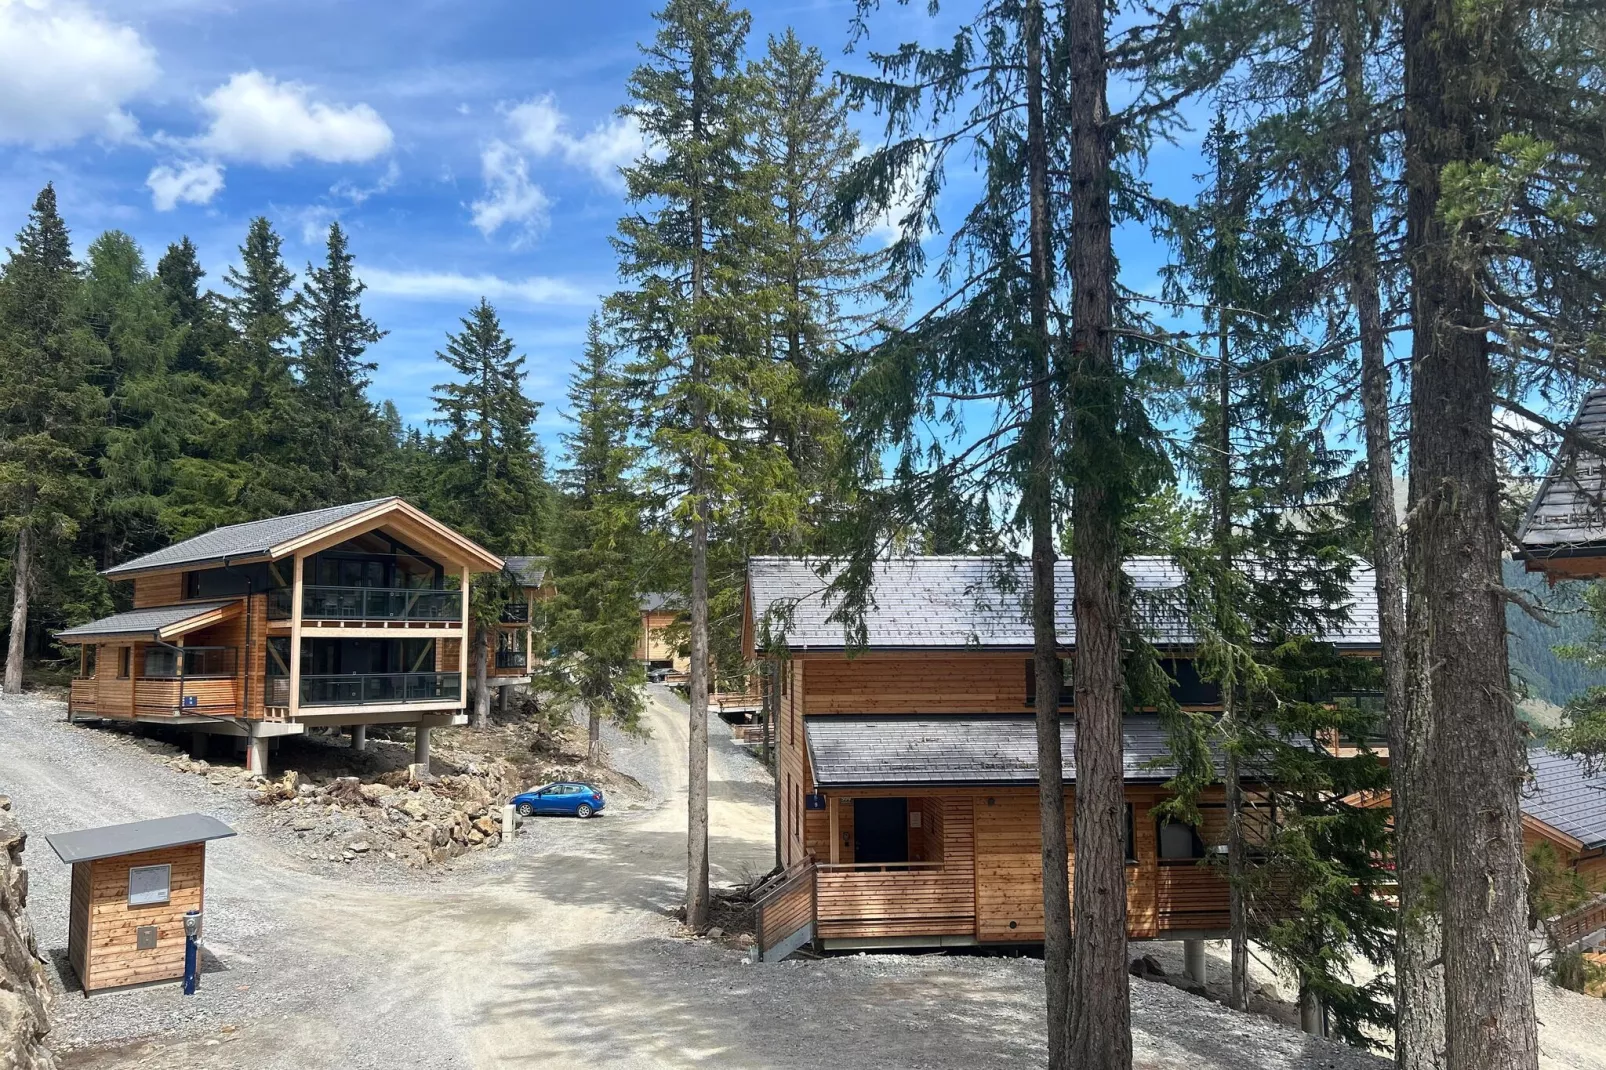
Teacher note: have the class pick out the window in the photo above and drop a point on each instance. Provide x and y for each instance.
(226, 582)
(125, 659)
(87, 666)
(161, 662)
(1067, 688)
(1179, 841)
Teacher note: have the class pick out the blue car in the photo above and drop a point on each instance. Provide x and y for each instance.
(581, 800)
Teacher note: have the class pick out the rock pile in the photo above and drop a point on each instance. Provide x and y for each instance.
(24, 993)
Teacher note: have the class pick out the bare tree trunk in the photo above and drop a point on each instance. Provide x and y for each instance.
(1418, 981)
(1477, 758)
(1040, 509)
(1237, 915)
(21, 577)
(482, 691)
(697, 730)
(1101, 1028)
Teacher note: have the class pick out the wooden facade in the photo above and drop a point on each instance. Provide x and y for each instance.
(973, 870)
(103, 929)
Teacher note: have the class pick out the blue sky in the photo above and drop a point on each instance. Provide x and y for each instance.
(467, 147)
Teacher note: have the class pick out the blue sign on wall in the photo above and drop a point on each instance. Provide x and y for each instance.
(814, 802)
(191, 700)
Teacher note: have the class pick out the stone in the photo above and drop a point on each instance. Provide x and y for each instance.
(374, 792)
(1146, 967)
(361, 846)
(303, 824)
(716, 933)
(476, 837)
(5, 802)
(485, 825)
(745, 940)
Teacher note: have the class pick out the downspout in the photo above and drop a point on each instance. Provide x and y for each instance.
(245, 664)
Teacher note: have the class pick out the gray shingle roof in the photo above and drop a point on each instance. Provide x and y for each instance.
(1568, 508)
(150, 621)
(252, 539)
(1564, 797)
(656, 601)
(857, 751)
(86, 845)
(531, 571)
(957, 602)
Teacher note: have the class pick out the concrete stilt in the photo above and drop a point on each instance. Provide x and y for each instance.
(256, 755)
(1193, 960)
(421, 746)
(501, 701)
(198, 744)
(359, 737)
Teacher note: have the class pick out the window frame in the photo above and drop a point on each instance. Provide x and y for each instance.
(125, 662)
(1199, 852)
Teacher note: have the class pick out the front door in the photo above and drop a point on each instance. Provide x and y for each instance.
(880, 830)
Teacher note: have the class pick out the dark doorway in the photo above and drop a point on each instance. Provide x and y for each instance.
(880, 830)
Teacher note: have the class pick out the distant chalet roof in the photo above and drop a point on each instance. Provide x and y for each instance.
(964, 603)
(847, 751)
(1570, 508)
(529, 571)
(156, 622)
(87, 845)
(253, 539)
(1565, 797)
(661, 602)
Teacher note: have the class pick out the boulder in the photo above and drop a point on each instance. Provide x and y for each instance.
(1147, 967)
(24, 992)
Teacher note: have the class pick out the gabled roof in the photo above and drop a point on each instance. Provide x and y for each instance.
(530, 571)
(86, 845)
(1570, 506)
(156, 622)
(978, 602)
(847, 751)
(276, 536)
(1565, 797)
(661, 602)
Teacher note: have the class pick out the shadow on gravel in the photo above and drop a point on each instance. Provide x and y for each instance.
(65, 979)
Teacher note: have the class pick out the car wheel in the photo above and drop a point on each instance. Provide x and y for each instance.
(526, 809)
(583, 810)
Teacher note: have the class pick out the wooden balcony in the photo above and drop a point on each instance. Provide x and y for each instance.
(370, 608)
(186, 697)
(82, 694)
(1190, 897)
(894, 899)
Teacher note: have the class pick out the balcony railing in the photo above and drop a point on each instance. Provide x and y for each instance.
(512, 659)
(369, 603)
(516, 613)
(353, 689)
(165, 662)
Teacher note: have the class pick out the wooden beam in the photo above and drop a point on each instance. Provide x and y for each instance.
(836, 830)
(468, 642)
(297, 581)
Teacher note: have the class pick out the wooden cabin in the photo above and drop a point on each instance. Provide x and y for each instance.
(659, 611)
(346, 616)
(131, 887)
(512, 648)
(907, 770)
(1563, 534)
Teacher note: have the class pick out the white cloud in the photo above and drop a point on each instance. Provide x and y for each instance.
(358, 194)
(446, 286)
(890, 228)
(66, 71)
(186, 182)
(511, 198)
(538, 128)
(259, 120)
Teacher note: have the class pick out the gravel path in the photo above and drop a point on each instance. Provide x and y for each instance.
(558, 949)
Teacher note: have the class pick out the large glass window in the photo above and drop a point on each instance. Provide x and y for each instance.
(226, 582)
(1178, 840)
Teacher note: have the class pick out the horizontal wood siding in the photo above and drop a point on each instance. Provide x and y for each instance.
(158, 589)
(1190, 896)
(923, 899)
(785, 905)
(82, 695)
(793, 770)
(938, 683)
(114, 959)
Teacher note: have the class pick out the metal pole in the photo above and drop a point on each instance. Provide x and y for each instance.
(192, 951)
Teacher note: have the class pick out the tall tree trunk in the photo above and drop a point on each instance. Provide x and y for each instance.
(482, 689)
(1418, 979)
(1101, 1032)
(1040, 509)
(1477, 759)
(1237, 915)
(21, 577)
(594, 733)
(697, 686)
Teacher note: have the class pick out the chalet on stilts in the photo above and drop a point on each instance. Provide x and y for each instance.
(512, 654)
(907, 769)
(347, 616)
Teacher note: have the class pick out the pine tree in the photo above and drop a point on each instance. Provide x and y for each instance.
(49, 411)
(348, 444)
(696, 323)
(488, 472)
(594, 622)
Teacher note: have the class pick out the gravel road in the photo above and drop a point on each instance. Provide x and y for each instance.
(559, 949)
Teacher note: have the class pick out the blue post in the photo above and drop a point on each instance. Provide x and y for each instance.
(192, 951)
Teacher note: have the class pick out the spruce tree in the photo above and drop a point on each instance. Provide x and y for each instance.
(696, 323)
(488, 479)
(593, 623)
(348, 445)
(49, 411)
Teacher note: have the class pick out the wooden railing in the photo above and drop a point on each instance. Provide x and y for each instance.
(1570, 929)
(186, 696)
(783, 908)
(81, 695)
(1190, 896)
(894, 899)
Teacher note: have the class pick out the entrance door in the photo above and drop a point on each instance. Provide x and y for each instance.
(880, 830)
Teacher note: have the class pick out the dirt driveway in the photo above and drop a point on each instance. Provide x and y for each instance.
(556, 951)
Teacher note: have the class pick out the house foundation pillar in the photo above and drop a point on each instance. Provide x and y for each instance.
(198, 744)
(256, 755)
(359, 737)
(1193, 960)
(421, 746)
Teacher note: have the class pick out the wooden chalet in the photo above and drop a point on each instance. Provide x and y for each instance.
(1564, 532)
(512, 651)
(907, 769)
(660, 610)
(351, 615)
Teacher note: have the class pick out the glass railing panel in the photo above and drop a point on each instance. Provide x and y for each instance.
(356, 689)
(380, 603)
(511, 659)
